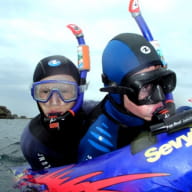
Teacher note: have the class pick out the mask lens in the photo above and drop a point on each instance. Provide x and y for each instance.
(168, 83)
(43, 90)
(151, 94)
(67, 91)
(149, 87)
(145, 91)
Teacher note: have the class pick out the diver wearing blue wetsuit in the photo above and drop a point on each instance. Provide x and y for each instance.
(51, 139)
(137, 84)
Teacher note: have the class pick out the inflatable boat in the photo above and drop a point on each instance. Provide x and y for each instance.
(155, 162)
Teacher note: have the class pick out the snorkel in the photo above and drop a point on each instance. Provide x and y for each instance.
(83, 64)
(134, 9)
(83, 67)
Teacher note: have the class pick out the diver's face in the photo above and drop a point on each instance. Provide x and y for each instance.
(143, 111)
(55, 104)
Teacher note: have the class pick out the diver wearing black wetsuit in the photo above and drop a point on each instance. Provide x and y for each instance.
(51, 138)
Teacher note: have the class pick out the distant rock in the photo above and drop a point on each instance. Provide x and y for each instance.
(6, 114)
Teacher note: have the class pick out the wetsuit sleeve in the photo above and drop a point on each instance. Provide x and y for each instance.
(100, 138)
(31, 149)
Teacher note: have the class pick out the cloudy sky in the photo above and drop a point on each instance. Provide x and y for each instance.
(33, 29)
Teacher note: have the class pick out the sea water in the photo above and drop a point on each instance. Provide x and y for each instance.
(10, 152)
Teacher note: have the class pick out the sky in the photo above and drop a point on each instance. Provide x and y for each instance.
(33, 29)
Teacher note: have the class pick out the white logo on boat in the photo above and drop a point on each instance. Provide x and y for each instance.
(154, 154)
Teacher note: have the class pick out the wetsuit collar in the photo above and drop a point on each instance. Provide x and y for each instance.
(122, 117)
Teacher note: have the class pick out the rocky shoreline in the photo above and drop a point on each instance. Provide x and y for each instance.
(6, 114)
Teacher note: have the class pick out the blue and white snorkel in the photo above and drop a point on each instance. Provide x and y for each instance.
(134, 9)
(83, 64)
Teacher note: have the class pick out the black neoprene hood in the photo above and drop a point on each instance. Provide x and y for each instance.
(55, 65)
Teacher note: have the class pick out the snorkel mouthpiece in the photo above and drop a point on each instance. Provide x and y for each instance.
(54, 121)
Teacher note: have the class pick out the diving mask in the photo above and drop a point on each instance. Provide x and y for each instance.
(42, 91)
(147, 87)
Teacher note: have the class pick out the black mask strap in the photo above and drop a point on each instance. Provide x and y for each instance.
(115, 89)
